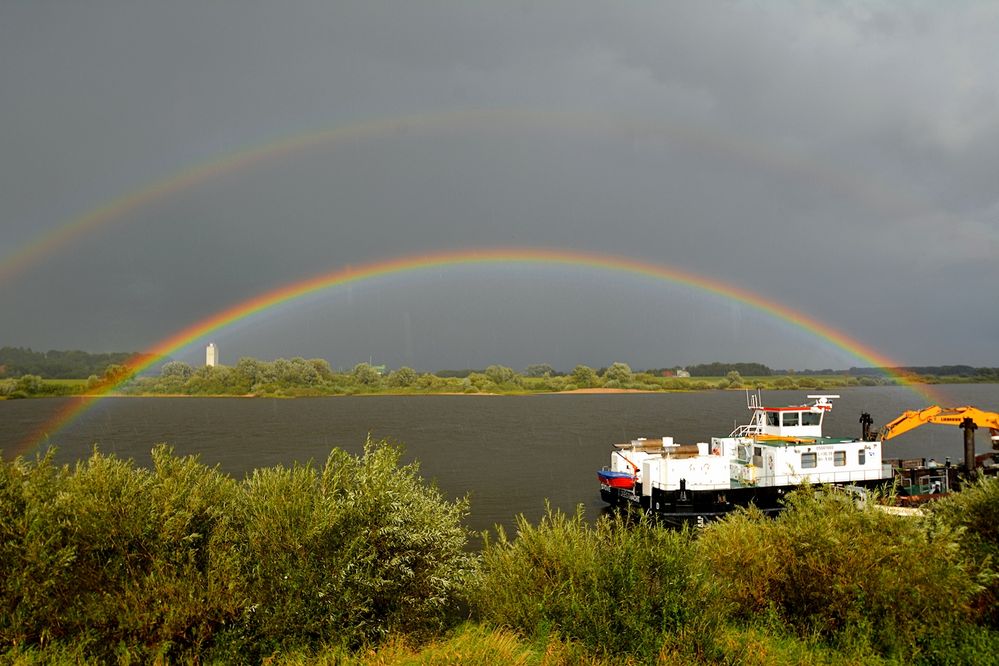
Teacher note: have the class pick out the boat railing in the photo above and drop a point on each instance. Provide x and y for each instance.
(747, 430)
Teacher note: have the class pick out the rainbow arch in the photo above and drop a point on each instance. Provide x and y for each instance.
(588, 124)
(552, 257)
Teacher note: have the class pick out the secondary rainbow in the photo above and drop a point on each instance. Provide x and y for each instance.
(551, 257)
(707, 140)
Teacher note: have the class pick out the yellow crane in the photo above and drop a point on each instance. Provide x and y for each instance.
(945, 415)
(967, 418)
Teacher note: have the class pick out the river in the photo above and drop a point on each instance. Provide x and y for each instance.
(508, 454)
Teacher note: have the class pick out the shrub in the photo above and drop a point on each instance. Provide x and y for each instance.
(347, 553)
(109, 555)
(118, 563)
(974, 513)
(620, 589)
(826, 567)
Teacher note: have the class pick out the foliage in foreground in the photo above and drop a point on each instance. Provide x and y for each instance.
(619, 588)
(130, 564)
(827, 581)
(359, 562)
(975, 512)
(852, 576)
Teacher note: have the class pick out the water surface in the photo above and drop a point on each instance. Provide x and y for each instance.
(509, 454)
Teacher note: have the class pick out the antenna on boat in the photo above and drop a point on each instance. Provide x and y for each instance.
(822, 400)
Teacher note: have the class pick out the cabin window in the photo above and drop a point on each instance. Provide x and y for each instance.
(773, 418)
(809, 460)
(811, 419)
(790, 418)
(861, 456)
(839, 458)
(758, 456)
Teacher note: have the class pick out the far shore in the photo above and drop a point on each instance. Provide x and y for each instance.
(594, 391)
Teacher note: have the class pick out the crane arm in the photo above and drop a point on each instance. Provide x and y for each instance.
(936, 414)
(906, 421)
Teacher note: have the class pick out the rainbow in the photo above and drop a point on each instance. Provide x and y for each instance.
(709, 141)
(353, 274)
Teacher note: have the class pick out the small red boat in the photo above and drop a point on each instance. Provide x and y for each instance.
(614, 479)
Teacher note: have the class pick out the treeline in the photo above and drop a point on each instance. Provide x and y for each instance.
(358, 561)
(299, 376)
(315, 377)
(55, 364)
(722, 369)
(934, 370)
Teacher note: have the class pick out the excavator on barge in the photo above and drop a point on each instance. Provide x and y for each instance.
(920, 479)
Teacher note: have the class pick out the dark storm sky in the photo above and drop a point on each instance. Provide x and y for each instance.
(841, 159)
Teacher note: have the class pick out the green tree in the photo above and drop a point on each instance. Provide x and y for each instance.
(584, 376)
(403, 377)
(499, 374)
(116, 373)
(322, 367)
(216, 380)
(302, 373)
(30, 384)
(539, 370)
(365, 374)
(619, 372)
(176, 369)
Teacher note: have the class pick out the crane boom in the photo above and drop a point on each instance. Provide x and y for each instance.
(945, 415)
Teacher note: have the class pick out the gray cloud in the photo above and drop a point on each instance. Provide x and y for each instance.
(838, 158)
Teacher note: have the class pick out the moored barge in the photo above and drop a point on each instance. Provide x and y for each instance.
(759, 463)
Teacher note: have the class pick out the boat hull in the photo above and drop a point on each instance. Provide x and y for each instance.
(697, 507)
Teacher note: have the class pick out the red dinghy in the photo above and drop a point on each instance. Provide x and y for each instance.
(614, 479)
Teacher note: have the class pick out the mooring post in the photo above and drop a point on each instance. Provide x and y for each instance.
(865, 424)
(969, 428)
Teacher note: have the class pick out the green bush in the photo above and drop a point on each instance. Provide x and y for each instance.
(108, 555)
(347, 553)
(118, 563)
(974, 512)
(621, 589)
(849, 574)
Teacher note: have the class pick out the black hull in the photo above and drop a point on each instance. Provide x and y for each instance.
(696, 507)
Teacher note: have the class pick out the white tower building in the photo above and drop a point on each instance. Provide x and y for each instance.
(211, 355)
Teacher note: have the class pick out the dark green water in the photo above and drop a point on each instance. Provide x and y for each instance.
(507, 453)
